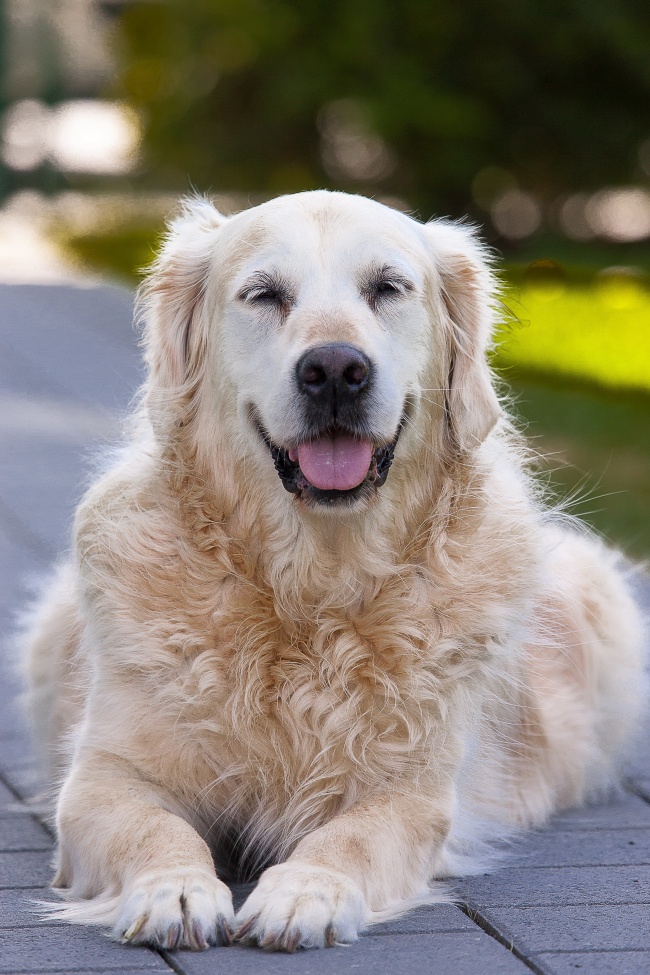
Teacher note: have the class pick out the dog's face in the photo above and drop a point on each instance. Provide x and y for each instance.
(327, 333)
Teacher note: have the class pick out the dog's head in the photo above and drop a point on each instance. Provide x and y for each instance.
(324, 335)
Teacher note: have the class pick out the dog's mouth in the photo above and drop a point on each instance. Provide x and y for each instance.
(335, 467)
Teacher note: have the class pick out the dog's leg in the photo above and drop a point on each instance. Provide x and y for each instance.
(146, 871)
(377, 856)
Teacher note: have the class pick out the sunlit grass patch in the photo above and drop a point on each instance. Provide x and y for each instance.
(598, 332)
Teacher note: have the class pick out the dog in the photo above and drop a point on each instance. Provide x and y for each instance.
(319, 623)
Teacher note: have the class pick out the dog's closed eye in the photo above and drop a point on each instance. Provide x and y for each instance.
(384, 284)
(268, 291)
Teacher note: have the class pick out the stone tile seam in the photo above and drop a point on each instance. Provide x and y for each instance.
(637, 791)
(476, 916)
(27, 849)
(32, 849)
(368, 932)
(605, 828)
(39, 922)
(560, 904)
(589, 951)
(17, 888)
(24, 810)
(577, 866)
(171, 961)
(85, 970)
(6, 782)
(519, 867)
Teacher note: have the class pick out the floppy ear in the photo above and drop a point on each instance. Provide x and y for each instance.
(468, 292)
(169, 304)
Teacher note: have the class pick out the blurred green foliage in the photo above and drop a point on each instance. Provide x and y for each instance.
(410, 98)
(124, 252)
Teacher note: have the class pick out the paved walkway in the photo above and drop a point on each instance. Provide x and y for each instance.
(572, 899)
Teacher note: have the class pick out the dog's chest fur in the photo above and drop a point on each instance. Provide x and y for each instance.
(281, 698)
(333, 688)
(289, 724)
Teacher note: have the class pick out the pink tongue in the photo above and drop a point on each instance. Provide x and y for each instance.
(336, 463)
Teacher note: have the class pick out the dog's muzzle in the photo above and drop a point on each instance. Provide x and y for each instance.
(338, 460)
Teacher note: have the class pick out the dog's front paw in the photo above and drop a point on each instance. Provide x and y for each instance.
(176, 909)
(297, 905)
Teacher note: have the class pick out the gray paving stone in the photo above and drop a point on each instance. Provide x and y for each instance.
(27, 783)
(21, 832)
(583, 848)
(638, 763)
(77, 336)
(16, 749)
(11, 715)
(105, 308)
(20, 908)
(592, 963)
(547, 886)
(18, 374)
(626, 811)
(69, 949)
(7, 799)
(10, 687)
(425, 920)
(642, 787)
(20, 561)
(415, 954)
(570, 928)
(41, 484)
(30, 869)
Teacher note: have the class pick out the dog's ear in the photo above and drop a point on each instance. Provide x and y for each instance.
(171, 296)
(468, 291)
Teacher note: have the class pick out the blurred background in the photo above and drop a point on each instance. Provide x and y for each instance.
(531, 119)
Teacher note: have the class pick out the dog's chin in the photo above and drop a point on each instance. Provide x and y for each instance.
(354, 499)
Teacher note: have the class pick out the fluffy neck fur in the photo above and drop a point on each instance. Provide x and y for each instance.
(316, 562)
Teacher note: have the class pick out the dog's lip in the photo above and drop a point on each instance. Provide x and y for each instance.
(286, 464)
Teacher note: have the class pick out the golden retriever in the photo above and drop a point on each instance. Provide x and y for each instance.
(318, 622)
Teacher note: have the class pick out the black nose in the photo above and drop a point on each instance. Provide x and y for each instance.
(333, 375)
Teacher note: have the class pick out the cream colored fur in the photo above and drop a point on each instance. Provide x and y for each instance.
(358, 695)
